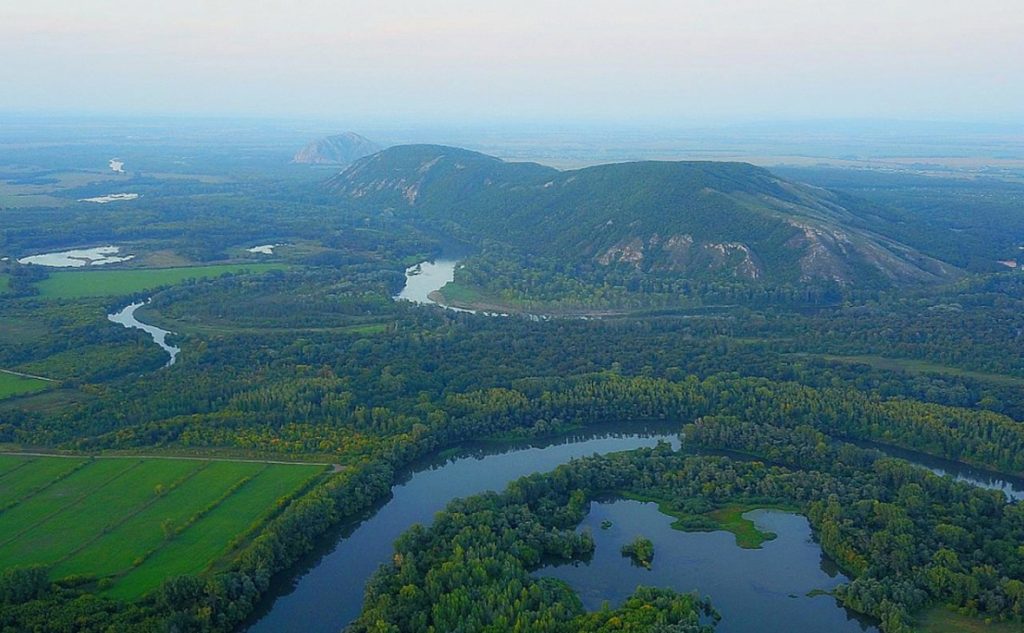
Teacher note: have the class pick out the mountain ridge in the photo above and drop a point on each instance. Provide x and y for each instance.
(700, 219)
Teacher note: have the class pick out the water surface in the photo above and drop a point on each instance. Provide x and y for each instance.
(425, 278)
(755, 590)
(126, 317)
(77, 258)
(1012, 487)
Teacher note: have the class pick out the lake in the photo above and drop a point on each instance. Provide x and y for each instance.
(756, 590)
(77, 258)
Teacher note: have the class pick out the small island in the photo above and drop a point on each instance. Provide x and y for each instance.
(640, 551)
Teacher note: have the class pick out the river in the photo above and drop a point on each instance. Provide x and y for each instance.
(427, 277)
(328, 593)
(126, 317)
(1012, 487)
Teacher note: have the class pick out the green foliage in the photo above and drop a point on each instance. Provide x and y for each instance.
(640, 551)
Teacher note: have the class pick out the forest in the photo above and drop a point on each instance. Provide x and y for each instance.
(303, 355)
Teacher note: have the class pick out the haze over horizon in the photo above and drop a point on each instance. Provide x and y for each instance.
(660, 62)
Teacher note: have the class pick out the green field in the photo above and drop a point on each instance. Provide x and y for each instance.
(942, 620)
(134, 521)
(98, 283)
(5, 283)
(912, 366)
(13, 385)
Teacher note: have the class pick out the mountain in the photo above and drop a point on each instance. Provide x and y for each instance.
(340, 149)
(699, 219)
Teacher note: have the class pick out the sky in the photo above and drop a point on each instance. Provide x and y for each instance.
(642, 61)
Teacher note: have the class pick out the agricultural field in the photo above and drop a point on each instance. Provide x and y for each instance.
(99, 283)
(133, 522)
(16, 385)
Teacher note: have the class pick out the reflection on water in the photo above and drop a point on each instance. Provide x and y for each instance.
(756, 590)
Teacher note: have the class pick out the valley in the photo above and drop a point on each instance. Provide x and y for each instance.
(802, 331)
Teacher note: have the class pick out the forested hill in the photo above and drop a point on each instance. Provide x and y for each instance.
(702, 220)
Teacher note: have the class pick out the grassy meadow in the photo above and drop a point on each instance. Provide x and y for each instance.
(72, 284)
(13, 385)
(133, 522)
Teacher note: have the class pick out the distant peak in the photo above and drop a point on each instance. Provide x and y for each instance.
(339, 149)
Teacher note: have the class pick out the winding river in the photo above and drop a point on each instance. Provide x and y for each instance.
(329, 592)
(126, 317)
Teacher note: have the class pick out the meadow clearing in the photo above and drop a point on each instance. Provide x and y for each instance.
(72, 284)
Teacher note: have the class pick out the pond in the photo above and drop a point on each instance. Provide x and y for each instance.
(756, 590)
(77, 258)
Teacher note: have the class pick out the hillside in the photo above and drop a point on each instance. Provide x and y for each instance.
(339, 149)
(698, 219)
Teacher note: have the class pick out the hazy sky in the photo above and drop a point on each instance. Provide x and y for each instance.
(446, 60)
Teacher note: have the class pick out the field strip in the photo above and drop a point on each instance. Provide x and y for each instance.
(24, 375)
(31, 483)
(92, 513)
(128, 545)
(217, 533)
(24, 462)
(236, 488)
(337, 467)
(62, 507)
(135, 512)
